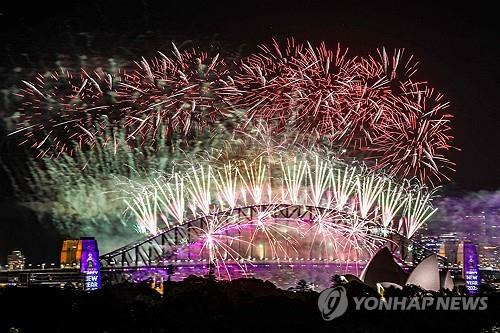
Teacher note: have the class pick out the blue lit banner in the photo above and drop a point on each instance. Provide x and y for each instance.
(470, 269)
(90, 265)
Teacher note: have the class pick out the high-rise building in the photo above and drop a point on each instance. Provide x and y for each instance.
(71, 253)
(431, 243)
(470, 268)
(83, 254)
(489, 256)
(449, 248)
(15, 261)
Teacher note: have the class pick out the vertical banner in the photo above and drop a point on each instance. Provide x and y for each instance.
(90, 264)
(470, 270)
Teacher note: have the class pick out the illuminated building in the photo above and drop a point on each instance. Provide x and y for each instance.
(71, 253)
(489, 256)
(80, 268)
(157, 284)
(431, 243)
(449, 248)
(470, 269)
(83, 254)
(426, 274)
(15, 261)
(460, 255)
(382, 270)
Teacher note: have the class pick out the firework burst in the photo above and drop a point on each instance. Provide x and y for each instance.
(346, 207)
(307, 129)
(182, 93)
(369, 106)
(62, 111)
(216, 241)
(415, 139)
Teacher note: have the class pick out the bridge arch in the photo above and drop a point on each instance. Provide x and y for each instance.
(176, 244)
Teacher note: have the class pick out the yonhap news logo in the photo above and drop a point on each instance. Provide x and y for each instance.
(333, 303)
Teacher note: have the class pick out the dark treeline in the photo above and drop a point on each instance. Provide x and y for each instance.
(205, 305)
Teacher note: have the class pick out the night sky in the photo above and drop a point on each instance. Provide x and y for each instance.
(457, 46)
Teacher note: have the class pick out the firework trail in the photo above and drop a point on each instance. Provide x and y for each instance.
(324, 233)
(254, 178)
(318, 177)
(170, 196)
(219, 245)
(390, 202)
(227, 182)
(418, 211)
(275, 232)
(145, 207)
(344, 225)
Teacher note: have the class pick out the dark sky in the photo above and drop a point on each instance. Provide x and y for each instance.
(457, 45)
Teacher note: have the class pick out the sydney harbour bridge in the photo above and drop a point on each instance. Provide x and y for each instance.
(246, 252)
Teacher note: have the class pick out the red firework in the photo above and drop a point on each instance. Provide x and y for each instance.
(298, 83)
(62, 111)
(374, 83)
(368, 106)
(180, 94)
(413, 140)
